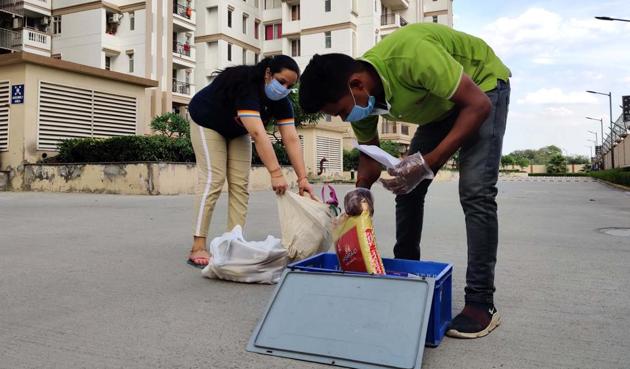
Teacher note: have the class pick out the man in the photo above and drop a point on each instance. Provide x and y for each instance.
(457, 90)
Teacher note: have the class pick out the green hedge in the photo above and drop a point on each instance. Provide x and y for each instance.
(125, 149)
(557, 175)
(618, 176)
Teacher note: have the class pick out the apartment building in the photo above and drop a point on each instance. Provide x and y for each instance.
(25, 26)
(149, 39)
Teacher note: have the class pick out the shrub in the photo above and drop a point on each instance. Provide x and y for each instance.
(618, 176)
(171, 125)
(557, 164)
(125, 149)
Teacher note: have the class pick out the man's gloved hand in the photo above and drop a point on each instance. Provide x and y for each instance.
(357, 201)
(408, 174)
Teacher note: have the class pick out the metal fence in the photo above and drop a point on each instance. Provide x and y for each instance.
(10, 40)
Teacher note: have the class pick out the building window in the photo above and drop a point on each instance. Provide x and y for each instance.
(244, 56)
(132, 21)
(108, 62)
(295, 47)
(57, 25)
(130, 62)
(229, 52)
(230, 18)
(256, 27)
(56, 56)
(272, 4)
(328, 39)
(273, 31)
(245, 16)
(435, 19)
(375, 6)
(256, 58)
(326, 5)
(295, 12)
(328, 117)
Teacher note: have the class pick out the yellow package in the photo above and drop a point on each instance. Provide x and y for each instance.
(355, 244)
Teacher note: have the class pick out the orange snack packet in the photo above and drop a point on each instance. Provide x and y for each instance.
(355, 245)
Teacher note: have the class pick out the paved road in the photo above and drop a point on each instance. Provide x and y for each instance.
(99, 281)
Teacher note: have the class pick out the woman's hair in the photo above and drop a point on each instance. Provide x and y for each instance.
(236, 79)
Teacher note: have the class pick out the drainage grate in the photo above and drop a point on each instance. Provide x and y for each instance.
(616, 231)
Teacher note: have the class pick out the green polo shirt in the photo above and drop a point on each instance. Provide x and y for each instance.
(421, 66)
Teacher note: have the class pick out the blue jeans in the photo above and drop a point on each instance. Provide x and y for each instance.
(479, 160)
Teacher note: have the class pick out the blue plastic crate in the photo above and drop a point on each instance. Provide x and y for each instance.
(442, 273)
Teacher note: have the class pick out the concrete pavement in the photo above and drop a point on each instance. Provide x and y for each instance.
(100, 281)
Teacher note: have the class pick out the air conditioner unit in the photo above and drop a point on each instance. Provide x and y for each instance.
(17, 23)
(44, 21)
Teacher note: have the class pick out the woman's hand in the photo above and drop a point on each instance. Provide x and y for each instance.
(279, 183)
(304, 186)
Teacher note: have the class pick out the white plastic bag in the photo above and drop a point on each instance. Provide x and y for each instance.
(235, 259)
(306, 225)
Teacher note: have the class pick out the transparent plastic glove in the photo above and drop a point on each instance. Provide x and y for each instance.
(357, 201)
(408, 174)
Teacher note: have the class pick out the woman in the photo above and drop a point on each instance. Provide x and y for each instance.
(226, 113)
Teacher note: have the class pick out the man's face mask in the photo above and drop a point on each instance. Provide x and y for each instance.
(360, 112)
(275, 90)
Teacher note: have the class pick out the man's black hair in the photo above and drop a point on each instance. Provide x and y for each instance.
(325, 80)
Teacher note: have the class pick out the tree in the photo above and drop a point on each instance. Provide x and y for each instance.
(521, 161)
(578, 159)
(171, 125)
(300, 117)
(507, 160)
(557, 164)
(391, 147)
(350, 160)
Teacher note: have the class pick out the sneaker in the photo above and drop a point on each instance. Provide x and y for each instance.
(476, 320)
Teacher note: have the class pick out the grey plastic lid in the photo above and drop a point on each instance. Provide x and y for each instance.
(350, 320)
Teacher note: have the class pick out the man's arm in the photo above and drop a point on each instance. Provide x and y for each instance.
(474, 108)
(369, 169)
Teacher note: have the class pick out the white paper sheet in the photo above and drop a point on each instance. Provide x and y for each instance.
(378, 154)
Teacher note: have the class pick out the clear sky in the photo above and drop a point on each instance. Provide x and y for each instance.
(556, 51)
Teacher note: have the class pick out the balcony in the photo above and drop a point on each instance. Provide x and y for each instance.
(396, 4)
(185, 17)
(291, 27)
(36, 41)
(31, 8)
(12, 6)
(272, 46)
(392, 20)
(180, 87)
(183, 55)
(10, 40)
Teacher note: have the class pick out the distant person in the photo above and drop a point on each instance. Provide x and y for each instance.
(457, 90)
(234, 107)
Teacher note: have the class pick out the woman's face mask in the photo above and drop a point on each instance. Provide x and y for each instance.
(360, 112)
(275, 90)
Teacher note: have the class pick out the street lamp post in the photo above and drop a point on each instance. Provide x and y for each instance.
(595, 133)
(601, 122)
(612, 133)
